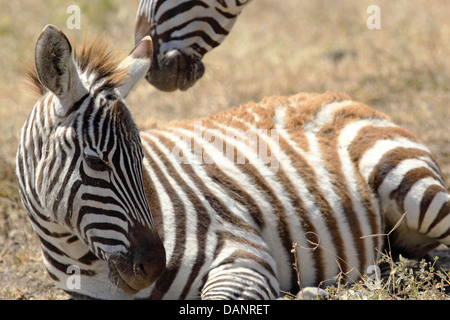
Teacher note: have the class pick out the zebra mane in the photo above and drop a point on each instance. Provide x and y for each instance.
(32, 79)
(100, 59)
(94, 58)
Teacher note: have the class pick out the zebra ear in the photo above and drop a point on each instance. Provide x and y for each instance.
(142, 27)
(138, 62)
(55, 66)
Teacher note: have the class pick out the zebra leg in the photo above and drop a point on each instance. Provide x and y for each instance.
(240, 277)
(411, 190)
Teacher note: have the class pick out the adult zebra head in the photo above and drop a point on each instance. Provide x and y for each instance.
(79, 166)
(183, 32)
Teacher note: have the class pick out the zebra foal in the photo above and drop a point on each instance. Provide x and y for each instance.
(229, 194)
(79, 169)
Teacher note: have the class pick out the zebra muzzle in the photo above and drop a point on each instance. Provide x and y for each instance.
(175, 70)
(142, 265)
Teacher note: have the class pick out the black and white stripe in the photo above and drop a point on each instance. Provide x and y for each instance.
(194, 27)
(183, 32)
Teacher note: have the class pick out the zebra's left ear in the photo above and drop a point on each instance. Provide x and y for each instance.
(138, 62)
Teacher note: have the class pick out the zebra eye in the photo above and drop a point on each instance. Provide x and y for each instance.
(96, 163)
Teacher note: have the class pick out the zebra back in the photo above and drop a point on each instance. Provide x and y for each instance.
(234, 193)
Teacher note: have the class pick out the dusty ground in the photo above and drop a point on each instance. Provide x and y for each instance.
(276, 48)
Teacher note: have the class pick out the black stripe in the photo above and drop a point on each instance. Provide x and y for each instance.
(98, 211)
(50, 247)
(201, 34)
(63, 267)
(85, 124)
(100, 199)
(183, 7)
(104, 226)
(427, 198)
(77, 104)
(97, 128)
(72, 239)
(110, 128)
(218, 29)
(45, 231)
(105, 130)
(226, 14)
(88, 258)
(106, 241)
(58, 170)
(73, 191)
(443, 212)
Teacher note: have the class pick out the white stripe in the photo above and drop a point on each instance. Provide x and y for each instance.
(413, 200)
(372, 157)
(433, 167)
(436, 204)
(107, 249)
(95, 217)
(324, 115)
(108, 234)
(393, 180)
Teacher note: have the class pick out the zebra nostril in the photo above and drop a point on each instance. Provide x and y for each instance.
(147, 255)
(143, 269)
(148, 266)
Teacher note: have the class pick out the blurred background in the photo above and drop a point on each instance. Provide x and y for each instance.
(276, 48)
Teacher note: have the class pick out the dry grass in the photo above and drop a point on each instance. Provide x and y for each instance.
(276, 48)
(402, 280)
